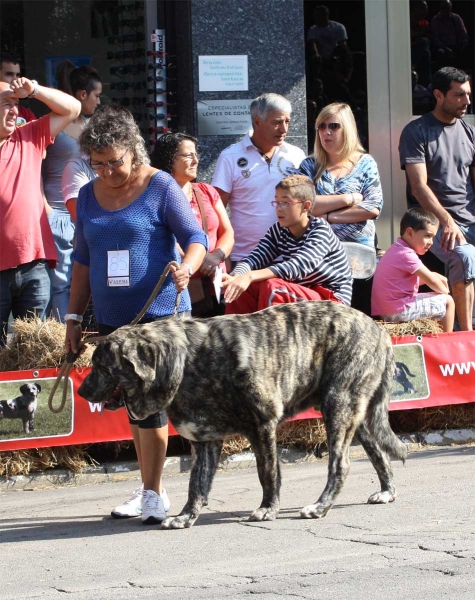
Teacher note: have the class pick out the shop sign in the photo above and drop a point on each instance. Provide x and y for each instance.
(223, 73)
(223, 117)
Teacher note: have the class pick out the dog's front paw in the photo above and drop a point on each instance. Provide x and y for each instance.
(382, 497)
(264, 514)
(180, 522)
(314, 511)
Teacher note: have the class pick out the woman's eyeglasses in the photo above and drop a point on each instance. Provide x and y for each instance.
(331, 126)
(190, 156)
(285, 204)
(110, 164)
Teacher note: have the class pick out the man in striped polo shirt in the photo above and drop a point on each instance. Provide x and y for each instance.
(299, 258)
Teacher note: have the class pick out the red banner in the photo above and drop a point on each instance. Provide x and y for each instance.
(431, 370)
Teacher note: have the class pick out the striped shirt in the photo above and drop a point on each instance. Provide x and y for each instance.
(316, 258)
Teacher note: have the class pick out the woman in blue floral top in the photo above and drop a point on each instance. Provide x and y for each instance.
(346, 179)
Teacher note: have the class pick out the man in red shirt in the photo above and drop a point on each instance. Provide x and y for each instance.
(26, 243)
(10, 70)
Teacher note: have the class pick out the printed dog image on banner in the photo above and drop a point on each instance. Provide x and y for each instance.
(243, 374)
(24, 410)
(410, 373)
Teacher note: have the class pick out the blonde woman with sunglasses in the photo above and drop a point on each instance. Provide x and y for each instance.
(346, 178)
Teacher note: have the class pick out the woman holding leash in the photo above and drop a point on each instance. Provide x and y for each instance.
(129, 220)
(176, 154)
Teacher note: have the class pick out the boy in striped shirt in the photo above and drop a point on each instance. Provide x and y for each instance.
(299, 258)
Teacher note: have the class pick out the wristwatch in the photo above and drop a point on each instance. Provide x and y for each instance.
(35, 88)
(73, 317)
(188, 267)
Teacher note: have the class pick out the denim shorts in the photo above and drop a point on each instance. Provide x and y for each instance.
(459, 262)
(423, 306)
(25, 291)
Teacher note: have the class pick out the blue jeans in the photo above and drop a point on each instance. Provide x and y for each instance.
(63, 228)
(24, 290)
(459, 262)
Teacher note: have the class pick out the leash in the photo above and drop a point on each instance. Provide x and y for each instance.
(72, 356)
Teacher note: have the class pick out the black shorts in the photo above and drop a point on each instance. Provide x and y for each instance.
(160, 418)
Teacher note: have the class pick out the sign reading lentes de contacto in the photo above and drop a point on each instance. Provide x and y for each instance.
(223, 117)
(223, 73)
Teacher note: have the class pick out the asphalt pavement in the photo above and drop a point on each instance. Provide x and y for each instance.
(62, 541)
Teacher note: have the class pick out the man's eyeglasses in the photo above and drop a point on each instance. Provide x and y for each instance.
(331, 126)
(285, 204)
(190, 156)
(110, 164)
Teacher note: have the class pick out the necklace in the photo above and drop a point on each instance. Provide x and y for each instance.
(341, 167)
(268, 159)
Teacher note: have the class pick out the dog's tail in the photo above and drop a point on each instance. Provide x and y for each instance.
(405, 368)
(378, 416)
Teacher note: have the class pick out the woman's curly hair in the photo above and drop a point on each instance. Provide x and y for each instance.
(166, 150)
(113, 127)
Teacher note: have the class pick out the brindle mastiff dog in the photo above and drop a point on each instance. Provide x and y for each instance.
(244, 374)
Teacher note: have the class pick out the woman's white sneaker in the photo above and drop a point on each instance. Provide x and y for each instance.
(131, 507)
(153, 510)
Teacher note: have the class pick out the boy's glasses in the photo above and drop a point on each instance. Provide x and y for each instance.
(285, 204)
(331, 126)
(110, 164)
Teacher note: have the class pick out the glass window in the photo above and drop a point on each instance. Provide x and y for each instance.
(335, 52)
(442, 34)
(107, 34)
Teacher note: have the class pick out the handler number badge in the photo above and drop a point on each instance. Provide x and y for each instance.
(118, 268)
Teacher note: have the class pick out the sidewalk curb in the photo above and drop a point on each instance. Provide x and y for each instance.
(175, 465)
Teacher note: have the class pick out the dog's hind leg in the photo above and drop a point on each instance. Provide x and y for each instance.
(382, 465)
(340, 423)
(205, 462)
(264, 446)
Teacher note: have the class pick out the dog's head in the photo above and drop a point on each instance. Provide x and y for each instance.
(141, 366)
(30, 390)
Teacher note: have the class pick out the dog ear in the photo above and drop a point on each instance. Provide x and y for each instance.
(38, 387)
(24, 388)
(158, 364)
(140, 356)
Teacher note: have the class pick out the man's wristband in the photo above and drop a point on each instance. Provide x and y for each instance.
(73, 317)
(35, 88)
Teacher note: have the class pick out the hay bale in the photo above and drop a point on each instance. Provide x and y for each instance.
(38, 344)
(23, 462)
(452, 416)
(308, 434)
(419, 327)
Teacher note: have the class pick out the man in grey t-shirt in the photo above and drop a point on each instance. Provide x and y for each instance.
(437, 152)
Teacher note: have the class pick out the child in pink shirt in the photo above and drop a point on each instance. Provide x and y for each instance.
(395, 296)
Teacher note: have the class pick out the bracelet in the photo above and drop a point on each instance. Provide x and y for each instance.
(73, 317)
(35, 89)
(188, 267)
(223, 255)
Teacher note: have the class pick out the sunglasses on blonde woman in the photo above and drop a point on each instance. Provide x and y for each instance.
(331, 126)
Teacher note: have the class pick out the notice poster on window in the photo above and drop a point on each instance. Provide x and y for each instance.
(223, 73)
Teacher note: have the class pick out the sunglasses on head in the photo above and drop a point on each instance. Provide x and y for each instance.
(331, 126)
